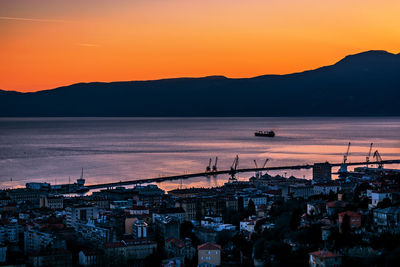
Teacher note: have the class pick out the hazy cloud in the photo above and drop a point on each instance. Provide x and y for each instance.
(32, 19)
(88, 45)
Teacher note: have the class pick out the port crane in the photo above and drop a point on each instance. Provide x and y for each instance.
(378, 158)
(369, 154)
(233, 169)
(346, 154)
(259, 173)
(208, 168)
(343, 166)
(214, 167)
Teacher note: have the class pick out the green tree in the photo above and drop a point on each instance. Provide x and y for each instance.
(251, 208)
(385, 203)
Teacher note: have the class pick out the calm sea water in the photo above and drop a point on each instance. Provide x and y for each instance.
(117, 149)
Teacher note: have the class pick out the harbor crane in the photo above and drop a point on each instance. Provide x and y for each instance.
(208, 168)
(259, 173)
(233, 169)
(343, 166)
(263, 166)
(378, 158)
(214, 167)
(346, 154)
(369, 154)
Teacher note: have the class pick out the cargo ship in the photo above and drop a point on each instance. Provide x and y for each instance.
(265, 133)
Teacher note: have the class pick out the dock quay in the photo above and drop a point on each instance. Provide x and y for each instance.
(229, 171)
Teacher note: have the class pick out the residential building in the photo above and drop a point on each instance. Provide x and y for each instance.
(81, 213)
(300, 191)
(95, 232)
(354, 219)
(209, 254)
(316, 207)
(377, 197)
(35, 240)
(139, 229)
(176, 248)
(178, 213)
(173, 262)
(53, 257)
(167, 227)
(248, 224)
(9, 232)
(90, 257)
(333, 207)
(52, 202)
(3, 253)
(388, 217)
(324, 258)
(326, 189)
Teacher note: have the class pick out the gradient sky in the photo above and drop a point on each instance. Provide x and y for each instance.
(50, 43)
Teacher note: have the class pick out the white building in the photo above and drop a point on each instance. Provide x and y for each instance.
(80, 214)
(52, 202)
(301, 191)
(325, 189)
(90, 257)
(10, 232)
(258, 200)
(35, 240)
(377, 197)
(248, 224)
(139, 229)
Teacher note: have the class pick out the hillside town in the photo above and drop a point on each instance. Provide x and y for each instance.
(265, 221)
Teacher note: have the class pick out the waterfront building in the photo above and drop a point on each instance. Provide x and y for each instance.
(22, 194)
(322, 172)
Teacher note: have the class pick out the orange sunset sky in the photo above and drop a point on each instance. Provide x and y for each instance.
(50, 43)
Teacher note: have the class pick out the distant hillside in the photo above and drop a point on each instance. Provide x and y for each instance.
(365, 84)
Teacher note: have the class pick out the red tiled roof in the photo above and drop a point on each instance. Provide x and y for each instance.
(209, 246)
(334, 204)
(324, 254)
(350, 213)
(177, 242)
